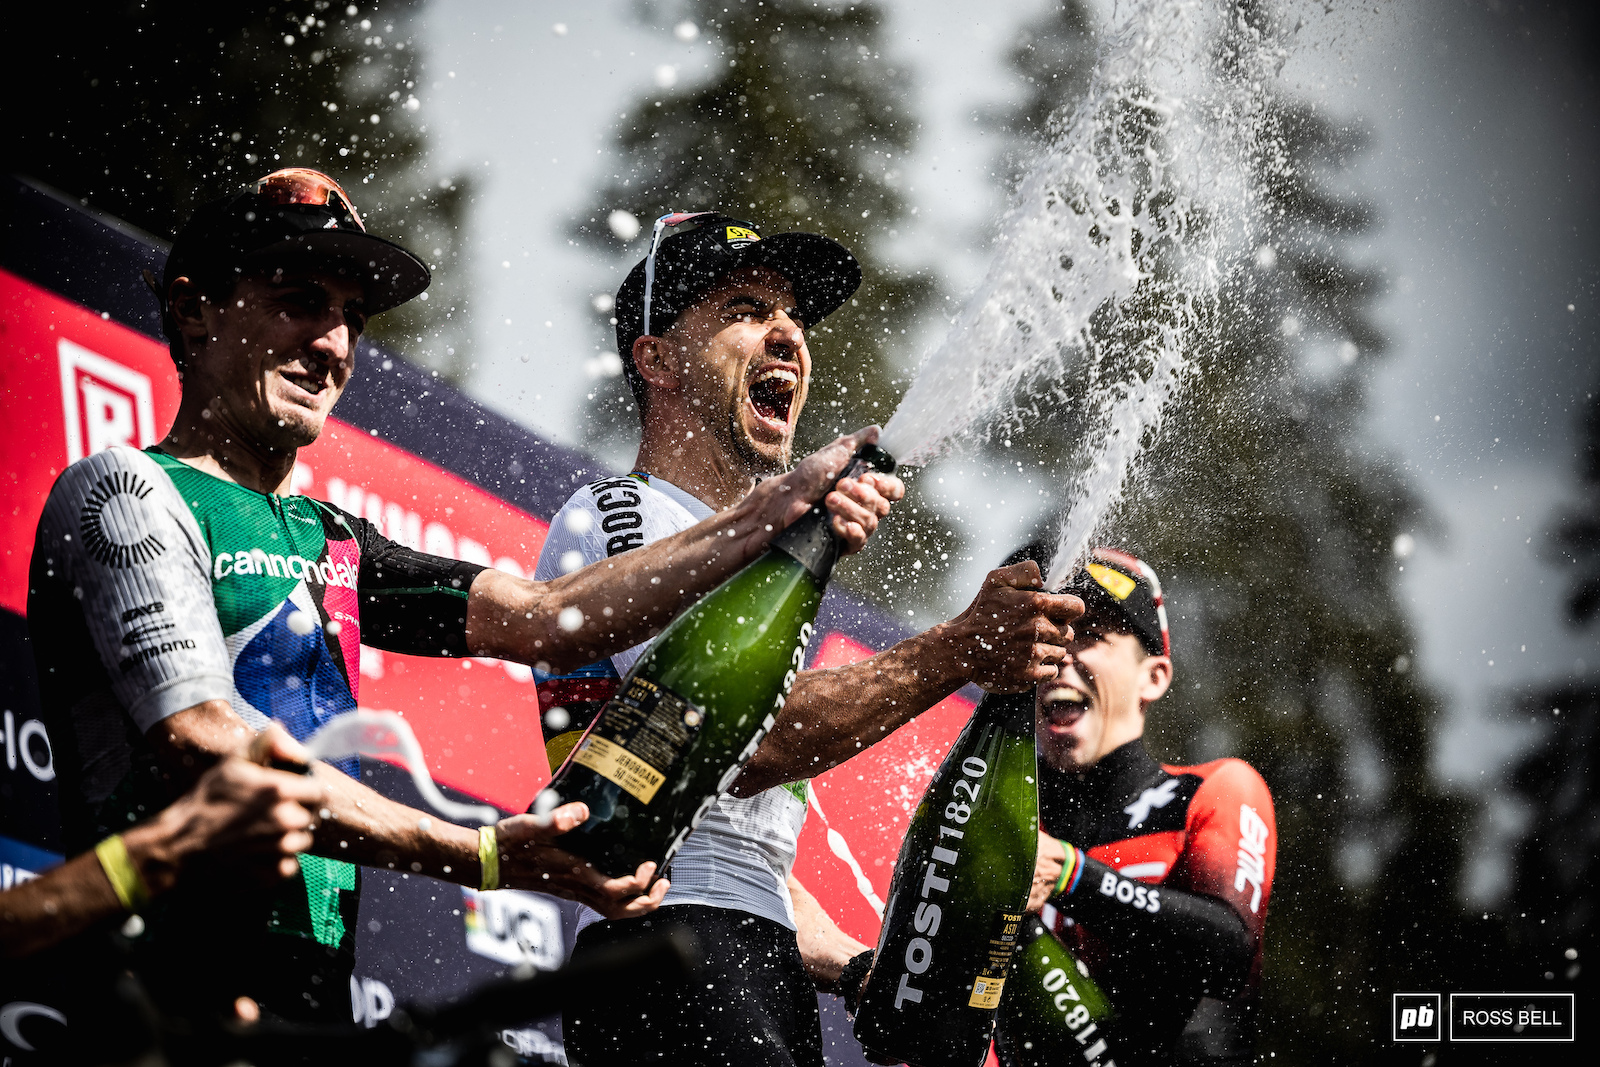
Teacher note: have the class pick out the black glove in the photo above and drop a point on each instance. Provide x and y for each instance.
(852, 980)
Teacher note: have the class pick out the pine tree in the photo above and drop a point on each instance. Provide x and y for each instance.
(1272, 529)
(804, 127)
(1554, 905)
(144, 111)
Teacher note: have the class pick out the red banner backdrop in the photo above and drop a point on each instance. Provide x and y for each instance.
(860, 809)
(76, 382)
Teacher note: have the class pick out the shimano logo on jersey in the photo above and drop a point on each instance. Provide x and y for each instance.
(257, 561)
(144, 655)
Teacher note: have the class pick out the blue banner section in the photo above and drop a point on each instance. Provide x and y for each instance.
(20, 861)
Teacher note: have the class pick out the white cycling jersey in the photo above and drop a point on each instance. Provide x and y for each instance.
(740, 855)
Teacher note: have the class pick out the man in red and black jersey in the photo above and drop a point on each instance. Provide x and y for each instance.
(1156, 876)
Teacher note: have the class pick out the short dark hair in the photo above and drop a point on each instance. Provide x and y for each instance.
(216, 287)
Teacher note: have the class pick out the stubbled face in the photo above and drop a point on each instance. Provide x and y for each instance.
(1093, 705)
(744, 365)
(278, 355)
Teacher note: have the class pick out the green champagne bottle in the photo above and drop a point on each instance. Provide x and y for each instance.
(958, 897)
(696, 705)
(1052, 1011)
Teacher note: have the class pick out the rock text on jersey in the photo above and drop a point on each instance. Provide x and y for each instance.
(618, 501)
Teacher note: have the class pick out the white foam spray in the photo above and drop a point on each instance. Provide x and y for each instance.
(1110, 259)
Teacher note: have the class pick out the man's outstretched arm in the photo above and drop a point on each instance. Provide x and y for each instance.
(240, 817)
(619, 602)
(1008, 640)
(359, 825)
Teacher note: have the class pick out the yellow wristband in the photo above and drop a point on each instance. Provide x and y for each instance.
(489, 858)
(126, 881)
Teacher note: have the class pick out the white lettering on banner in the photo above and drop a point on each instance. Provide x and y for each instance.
(407, 527)
(513, 927)
(29, 745)
(10, 876)
(12, 1014)
(1252, 854)
(371, 1001)
(532, 1042)
(105, 403)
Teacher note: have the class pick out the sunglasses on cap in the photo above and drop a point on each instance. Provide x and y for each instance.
(674, 218)
(301, 185)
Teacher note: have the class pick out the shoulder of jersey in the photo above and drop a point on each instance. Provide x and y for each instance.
(614, 481)
(1228, 773)
(114, 471)
(108, 460)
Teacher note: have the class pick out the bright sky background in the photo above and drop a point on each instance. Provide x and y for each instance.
(1482, 166)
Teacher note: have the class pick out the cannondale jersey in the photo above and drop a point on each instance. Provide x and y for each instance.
(740, 855)
(155, 587)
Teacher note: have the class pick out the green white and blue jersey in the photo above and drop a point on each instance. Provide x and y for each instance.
(156, 587)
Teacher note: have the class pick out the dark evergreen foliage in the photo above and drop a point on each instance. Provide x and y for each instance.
(804, 128)
(1272, 529)
(144, 110)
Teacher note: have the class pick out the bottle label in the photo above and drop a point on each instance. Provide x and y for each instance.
(991, 980)
(641, 734)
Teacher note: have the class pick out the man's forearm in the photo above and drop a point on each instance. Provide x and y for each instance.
(824, 948)
(832, 714)
(359, 825)
(619, 602)
(55, 906)
(612, 604)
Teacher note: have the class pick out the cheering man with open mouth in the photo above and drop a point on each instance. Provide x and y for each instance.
(711, 327)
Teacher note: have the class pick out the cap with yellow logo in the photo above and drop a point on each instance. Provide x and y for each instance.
(1125, 585)
(822, 272)
(1115, 583)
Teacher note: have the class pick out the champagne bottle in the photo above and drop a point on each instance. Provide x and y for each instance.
(958, 897)
(1052, 1011)
(695, 706)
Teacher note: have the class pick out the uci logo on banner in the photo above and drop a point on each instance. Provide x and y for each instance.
(105, 403)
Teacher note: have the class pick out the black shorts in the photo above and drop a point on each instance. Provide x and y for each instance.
(751, 1002)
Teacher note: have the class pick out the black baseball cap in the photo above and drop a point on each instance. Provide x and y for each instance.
(292, 219)
(822, 271)
(1113, 582)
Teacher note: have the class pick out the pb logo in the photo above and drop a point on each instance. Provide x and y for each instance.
(105, 403)
(1416, 1017)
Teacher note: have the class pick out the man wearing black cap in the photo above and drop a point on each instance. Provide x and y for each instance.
(181, 598)
(711, 328)
(1156, 876)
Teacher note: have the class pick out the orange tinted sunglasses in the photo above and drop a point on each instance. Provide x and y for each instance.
(301, 185)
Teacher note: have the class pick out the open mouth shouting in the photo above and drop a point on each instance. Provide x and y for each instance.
(1064, 705)
(771, 394)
